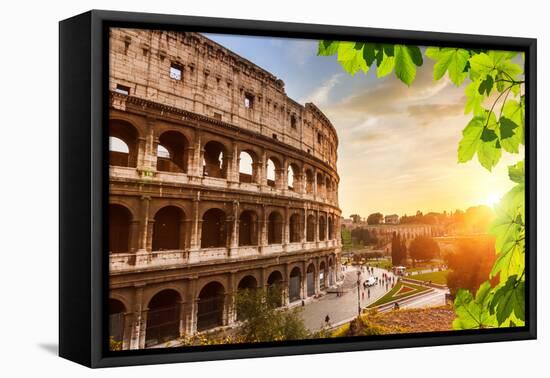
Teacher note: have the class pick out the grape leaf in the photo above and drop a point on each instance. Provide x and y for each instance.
(481, 65)
(474, 98)
(509, 299)
(486, 85)
(473, 313)
(385, 66)
(479, 137)
(517, 172)
(509, 135)
(449, 60)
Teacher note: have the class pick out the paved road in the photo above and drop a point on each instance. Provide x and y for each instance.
(435, 298)
(343, 308)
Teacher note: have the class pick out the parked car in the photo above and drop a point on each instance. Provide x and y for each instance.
(371, 281)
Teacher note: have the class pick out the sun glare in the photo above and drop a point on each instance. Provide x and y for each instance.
(492, 199)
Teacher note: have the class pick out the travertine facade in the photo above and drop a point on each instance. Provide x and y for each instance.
(218, 182)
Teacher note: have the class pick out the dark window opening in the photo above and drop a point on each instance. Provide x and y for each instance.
(176, 71)
(122, 89)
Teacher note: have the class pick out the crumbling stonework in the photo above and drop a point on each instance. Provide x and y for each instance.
(189, 226)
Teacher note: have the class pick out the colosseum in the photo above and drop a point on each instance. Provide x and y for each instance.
(218, 182)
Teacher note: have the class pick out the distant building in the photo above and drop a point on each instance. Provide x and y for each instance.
(391, 219)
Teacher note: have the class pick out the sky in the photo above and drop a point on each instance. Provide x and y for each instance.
(398, 145)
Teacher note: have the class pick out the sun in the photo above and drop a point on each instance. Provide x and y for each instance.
(492, 199)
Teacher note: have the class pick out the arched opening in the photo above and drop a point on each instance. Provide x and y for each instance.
(275, 228)
(246, 283)
(275, 287)
(213, 234)
(292, 176)
(328, 187)
(295, 228)
(309, 181)
(210, 306)
(322, 228)
(172, 152)
(214, 162)
(163, 317)
(331, 234)
(272, 171)
(310, 234)
(123, 144)
(295, 285)
(246, 167)
(322, 268)
(116, 319)
(167, 229)
(248, 228)
(320, 183)
(310, 280)
(119, 229)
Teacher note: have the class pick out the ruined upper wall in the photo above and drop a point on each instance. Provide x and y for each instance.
(216, 82)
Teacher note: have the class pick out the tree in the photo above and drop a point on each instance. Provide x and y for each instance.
(471, 264)
(423, 248)
(496, 100)
(375, 218)
(262, 321)
(398, 254)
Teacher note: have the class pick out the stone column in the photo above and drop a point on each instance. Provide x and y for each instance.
(134, 235)
(190, 310)
(195, 237)
(316, 278)
(286, 226)
(230, 309)
(140, 320)
(194, 166)
(232, 227)
(263, 242)
(303, 289)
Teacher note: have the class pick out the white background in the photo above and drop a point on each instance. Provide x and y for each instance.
(29, 186)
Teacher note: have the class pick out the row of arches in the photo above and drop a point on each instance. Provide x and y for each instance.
(172, 155)
(164, 310)
(169, 228)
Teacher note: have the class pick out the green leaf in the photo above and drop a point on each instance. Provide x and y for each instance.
(481, 65)
(517, 172)
(473, 313)
(480, 137)
(350, 56)
(405, 67)
(509, 299)
(327, 48)
(473, 98)
(471, 138)
(450, 60)
(510, 135)
(385, 66)
(486, 85)
(369, 53)
(515, 112)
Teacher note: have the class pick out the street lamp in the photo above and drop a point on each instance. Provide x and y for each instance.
(359, 293)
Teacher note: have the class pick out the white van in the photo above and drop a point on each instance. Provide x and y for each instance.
(371, 281)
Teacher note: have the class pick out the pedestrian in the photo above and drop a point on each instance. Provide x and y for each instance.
(363, 295)
(327, 320)
(368, 293)
(303, 303)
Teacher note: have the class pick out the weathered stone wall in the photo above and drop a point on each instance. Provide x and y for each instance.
(214, 82)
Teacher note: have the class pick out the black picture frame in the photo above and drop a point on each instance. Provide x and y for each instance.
(83, 181)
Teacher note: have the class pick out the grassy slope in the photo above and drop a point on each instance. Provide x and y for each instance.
(389, 296)
(435, 277)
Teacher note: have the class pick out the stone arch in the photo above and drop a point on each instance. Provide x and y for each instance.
(248, 167)
(273, 171)
(320, 183)
(310, 280)
(176, 144)
(215, 160)
(322, 228)
(214, 229)
(295, 284)
(310, 180)
(210, 309)
(248, 282)
(248, 228)
(120, 220)
(128, 134)
(310, 228)
(331, 233)
(275, 282)
(293, 176)
(275, 228)
(295, 228)
(163, 317)
(117, 310)
(168, 229)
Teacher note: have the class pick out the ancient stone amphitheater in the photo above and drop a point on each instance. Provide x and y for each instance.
(218, 182)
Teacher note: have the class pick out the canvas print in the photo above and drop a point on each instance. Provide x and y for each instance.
(264, 189)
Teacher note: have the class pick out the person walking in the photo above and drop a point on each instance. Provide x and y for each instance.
(327, 320)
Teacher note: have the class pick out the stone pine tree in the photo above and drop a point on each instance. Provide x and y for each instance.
(396, 250)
